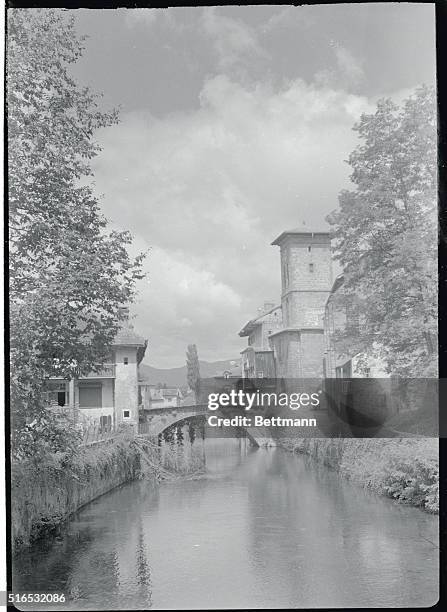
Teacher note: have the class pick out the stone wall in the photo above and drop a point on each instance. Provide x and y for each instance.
(301, 275)
(304, 308)
(299, 353)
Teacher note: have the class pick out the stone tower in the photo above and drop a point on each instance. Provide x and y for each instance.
(306, 280)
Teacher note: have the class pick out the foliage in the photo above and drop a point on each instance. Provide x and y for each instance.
(386, 236)
(406, 469)
(418, 485)
(193, 369)
(69, 276)
(46, 491)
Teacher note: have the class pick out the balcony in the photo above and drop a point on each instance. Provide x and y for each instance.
(106, 370)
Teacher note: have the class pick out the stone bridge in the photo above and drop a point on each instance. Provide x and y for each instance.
(159, 419)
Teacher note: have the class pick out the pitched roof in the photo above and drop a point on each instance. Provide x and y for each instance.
(170, 392)
(128, 337)
(338, 283)
(248, 327)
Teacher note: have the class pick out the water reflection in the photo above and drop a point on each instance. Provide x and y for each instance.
(263, 529)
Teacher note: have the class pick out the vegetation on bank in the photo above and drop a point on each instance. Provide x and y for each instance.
(46, 493)
(405, 469)
(70, 273)
(385, 237)
(71, 276)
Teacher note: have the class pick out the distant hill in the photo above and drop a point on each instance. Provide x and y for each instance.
(176, 377)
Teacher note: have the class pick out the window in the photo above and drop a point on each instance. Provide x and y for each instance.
(90, 396)
(311, 267)
(126, 360)
(57, 393)
(105, 423)
(126, 414)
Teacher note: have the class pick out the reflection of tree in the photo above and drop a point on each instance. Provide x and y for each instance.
(179, 433)
(143, 569)
(168, 434)
(191, 432)
(56, 564)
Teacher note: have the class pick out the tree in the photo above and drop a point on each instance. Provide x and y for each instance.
(193, 369)
(386, 235)
(69, 276)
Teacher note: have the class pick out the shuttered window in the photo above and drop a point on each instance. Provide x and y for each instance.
(90, 396)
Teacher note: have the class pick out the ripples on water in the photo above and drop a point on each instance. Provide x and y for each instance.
(263, 529)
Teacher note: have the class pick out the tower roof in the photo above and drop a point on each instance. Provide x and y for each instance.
(302, 230)
(126, 336)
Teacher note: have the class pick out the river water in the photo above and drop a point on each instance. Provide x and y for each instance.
(262, 529)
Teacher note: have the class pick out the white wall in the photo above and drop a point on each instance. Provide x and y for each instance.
(126, 384)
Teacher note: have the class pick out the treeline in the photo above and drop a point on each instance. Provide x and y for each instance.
(69, 274)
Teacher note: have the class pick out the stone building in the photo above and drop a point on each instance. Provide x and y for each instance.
(306, 280)
(338, 361)
(258, 357)
(287, 341)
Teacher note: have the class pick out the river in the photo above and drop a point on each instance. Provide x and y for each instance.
(262, 529)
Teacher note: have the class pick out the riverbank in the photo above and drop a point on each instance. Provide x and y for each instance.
(45, 493)
(405, 469)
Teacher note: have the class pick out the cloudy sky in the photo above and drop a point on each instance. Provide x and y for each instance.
(235, 124)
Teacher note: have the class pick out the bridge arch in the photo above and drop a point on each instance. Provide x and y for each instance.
(159, 419)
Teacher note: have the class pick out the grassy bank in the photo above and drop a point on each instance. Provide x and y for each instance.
(405, 469)
(44, 494)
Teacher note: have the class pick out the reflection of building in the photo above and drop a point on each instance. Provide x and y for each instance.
(257, 358)
(108, 396)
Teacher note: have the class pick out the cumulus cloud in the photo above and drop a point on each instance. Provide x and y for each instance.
(179, 303)
(210, 189)
(234, 41)
(348, 64)
(347, 74)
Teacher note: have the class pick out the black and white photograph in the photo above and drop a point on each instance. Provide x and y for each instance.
(222, 379)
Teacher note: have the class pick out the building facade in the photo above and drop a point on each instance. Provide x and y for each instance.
(287, 341)
(306, 280)
(338, 362)
(109, 395)
(258, 358)
(152, 397)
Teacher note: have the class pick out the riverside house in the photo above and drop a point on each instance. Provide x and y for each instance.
(109, 396)
(152, 397)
